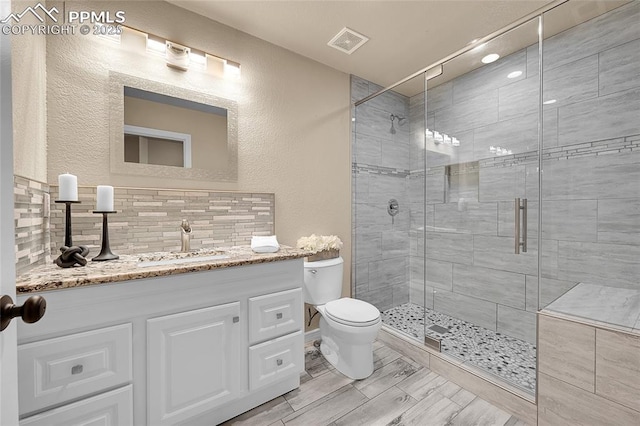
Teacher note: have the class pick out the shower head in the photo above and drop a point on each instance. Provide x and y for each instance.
(397, 117)
(400, 122)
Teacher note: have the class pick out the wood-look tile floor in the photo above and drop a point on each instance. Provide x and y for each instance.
(399, 392)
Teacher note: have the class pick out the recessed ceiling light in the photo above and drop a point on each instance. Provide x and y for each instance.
(514, 74)
(492, 57)
(550, 101)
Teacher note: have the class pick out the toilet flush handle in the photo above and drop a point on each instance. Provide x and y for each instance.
(313, 271)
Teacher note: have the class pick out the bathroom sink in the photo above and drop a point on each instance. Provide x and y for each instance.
(179, 258)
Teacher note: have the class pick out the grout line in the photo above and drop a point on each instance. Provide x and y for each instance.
(595, 357)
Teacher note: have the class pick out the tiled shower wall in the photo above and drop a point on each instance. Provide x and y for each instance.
(591, 179)
(380, 169)
(148, 220)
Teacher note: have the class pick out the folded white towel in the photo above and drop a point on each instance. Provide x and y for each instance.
(265, 244)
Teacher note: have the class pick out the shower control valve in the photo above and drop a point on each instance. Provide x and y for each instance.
(393, 208)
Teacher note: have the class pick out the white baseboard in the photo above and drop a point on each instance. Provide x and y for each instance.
(311, 335)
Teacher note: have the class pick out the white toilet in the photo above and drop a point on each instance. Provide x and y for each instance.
(348, 326)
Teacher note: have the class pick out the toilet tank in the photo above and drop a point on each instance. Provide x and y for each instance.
(323, 281)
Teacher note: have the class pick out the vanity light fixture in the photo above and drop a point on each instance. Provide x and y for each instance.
(177, 56)
(156, 45)
(180, 56)
(231, 68)
(491, 57)
(198, 57)
(108, 32)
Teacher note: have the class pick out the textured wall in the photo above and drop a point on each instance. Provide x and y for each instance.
(293, 116)
(28, 79)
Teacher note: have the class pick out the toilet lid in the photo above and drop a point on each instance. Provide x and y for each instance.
(352, 312)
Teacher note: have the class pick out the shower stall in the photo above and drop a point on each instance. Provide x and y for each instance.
(485, 188)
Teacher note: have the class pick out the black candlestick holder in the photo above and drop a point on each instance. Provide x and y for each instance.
(67, 223)
(105, 250)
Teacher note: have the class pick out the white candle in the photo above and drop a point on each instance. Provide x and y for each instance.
(68, 187)
(105, 198)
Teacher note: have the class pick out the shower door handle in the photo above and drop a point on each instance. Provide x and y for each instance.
(524, 225)
(518, 206)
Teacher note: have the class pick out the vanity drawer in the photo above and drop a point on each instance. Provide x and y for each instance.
(274, 315)
(113, 408)
(58, 370)
(275, 360)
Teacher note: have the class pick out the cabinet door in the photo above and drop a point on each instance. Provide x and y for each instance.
(113, 408)
(55, 371)
(274, 315)
(275, 360)
(194, 361)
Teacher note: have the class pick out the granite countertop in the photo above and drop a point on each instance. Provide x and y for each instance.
(52, 277)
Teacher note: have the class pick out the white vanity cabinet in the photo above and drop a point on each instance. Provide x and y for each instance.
(275, 334)
(191, 348)
(193, 362)
(64, 369)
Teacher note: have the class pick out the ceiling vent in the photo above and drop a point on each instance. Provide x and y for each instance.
(347, 41)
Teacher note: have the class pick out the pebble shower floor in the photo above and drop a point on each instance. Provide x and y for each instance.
(511, 359)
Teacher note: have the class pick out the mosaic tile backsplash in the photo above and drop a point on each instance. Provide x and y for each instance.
(32, 231)
(148, 220)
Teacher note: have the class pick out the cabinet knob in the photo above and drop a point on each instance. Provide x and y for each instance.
(278, 362)
(32, 310)
(236, 319)
(279, 315)
(77, 369)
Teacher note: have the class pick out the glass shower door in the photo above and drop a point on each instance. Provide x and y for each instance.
(388, 200)
(591, 163)
(481, 241)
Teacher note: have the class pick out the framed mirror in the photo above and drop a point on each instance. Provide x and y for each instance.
(162, 130)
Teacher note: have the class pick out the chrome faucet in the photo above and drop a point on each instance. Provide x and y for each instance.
(185, 236)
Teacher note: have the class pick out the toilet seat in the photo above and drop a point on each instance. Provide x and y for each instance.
(352, 312)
